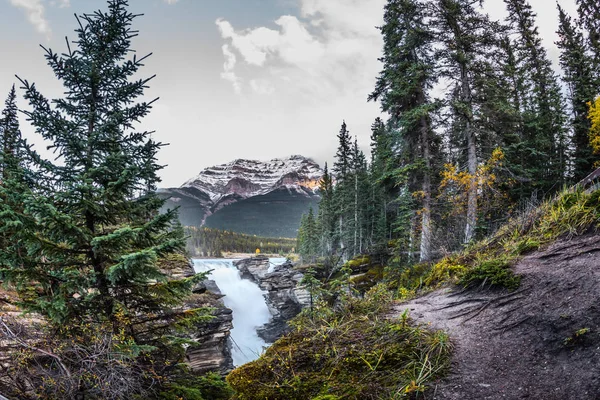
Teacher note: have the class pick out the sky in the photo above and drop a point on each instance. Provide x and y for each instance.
(253, 79)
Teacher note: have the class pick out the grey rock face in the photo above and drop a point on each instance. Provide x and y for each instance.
(213, 352)
(285, 296)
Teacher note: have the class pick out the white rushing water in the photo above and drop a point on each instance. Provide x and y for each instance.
(247, 302)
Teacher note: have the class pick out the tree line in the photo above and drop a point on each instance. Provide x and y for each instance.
(475, 125)
(208, 242)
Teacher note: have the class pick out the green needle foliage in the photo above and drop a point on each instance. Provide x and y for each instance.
(84, 239)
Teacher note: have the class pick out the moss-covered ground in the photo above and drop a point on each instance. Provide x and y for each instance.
(352, 352)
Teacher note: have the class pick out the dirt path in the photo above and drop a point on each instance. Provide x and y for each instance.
(523, 345)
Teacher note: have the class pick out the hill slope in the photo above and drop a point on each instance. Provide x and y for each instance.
(541, 341)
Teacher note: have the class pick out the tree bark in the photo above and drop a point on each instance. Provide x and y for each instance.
(426, 233)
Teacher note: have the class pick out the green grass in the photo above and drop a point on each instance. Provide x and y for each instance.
(353, 353)
(489, 262)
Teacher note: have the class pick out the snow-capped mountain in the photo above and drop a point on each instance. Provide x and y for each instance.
(248, 178)
(265, 198)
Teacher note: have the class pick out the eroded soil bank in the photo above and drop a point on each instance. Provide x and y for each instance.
(541, 341)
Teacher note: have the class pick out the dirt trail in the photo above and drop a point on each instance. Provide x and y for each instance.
(523, 345)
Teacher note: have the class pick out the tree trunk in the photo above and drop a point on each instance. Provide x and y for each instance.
(426, 233)
(355, 212)
(472, 194)
(471, 154)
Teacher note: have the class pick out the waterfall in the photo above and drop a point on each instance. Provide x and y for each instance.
(246, 300)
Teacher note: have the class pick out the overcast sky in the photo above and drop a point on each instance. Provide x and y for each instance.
(255, 79)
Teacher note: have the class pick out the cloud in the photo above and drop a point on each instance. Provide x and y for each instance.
(228, 69)
(330, 49)
(171, 2)
(61, 3)
(34, 10)
(301, 75)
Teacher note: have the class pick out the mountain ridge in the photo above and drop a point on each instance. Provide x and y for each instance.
(284, 188)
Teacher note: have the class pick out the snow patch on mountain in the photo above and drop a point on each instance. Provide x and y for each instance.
(249, 178)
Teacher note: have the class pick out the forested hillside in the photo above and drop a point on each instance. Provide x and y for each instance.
(207, 242)
(480, 126)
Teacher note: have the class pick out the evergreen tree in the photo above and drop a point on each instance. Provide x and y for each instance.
(13, 183)
(308, 237)
(383, 187)
(589, 15)
(361, 191)
(578, 72)
(326, 219)
(90, 223)
(11, 143)
(541, 105)
(466, 39)
(343, 188)
(402, 88)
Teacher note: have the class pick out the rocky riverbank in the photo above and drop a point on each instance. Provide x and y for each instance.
(213, 350)
(285, 296)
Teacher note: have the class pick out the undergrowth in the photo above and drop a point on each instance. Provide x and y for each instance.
(489, 262)
(350, 351)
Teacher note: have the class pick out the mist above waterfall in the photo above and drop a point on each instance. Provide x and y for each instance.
(248, 304)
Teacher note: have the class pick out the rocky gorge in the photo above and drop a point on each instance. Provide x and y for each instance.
(284, 294)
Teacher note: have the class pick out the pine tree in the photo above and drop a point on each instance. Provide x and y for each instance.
(541, 105)
(466, 39)
(90, 223)
(326, 219)
(343, 188)
(578, 71)
(402, 88)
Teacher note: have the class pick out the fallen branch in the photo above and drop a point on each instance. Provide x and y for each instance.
(11, 335)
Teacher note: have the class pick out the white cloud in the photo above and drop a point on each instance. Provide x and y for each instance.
(34, 10)
(228, 69)
(262, 86)
(171, 2)
(305, 74)
(61, 3)
(331, 49)
(254, 45)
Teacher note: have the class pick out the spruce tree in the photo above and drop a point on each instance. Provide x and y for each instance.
(326, 219)
(541, 104)
(361, 191)
(383, 181)
(10, 136)
(578, 72)
(93, 236)
(402, 88)
(589, 16)
(343, 189)
(466, 39)
(13, 184)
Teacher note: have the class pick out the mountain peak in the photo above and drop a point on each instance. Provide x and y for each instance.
(248, 178)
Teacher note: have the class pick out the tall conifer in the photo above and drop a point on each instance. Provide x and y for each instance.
(578, 72)
(93, 237)
(467, 38)
(402, 88)
(541, 103)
